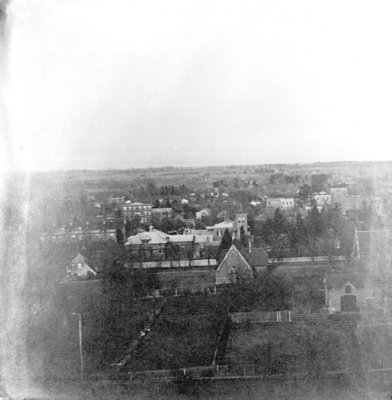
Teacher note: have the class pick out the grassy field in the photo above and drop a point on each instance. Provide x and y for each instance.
(190, 279)
(289, 347)
(185, 335)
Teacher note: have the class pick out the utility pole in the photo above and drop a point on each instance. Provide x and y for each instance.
(80, 345)
(325, 292)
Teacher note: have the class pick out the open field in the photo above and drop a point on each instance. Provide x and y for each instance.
(184, 335)
(204, 175)
(287, 347)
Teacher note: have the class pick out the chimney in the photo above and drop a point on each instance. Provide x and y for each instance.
(150, 228)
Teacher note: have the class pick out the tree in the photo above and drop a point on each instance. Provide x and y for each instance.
(144, 282)
(319, 182)
(120, 237)
(299, 236)
(315, 227)
(279, 222)
(243, 238)
(225, 244)
(304, 192)
(226, 240)
(128, 228)
(268, 292)
(135, 223)
(333, 219)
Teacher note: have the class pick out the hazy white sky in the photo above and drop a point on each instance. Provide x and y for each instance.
(121, 83)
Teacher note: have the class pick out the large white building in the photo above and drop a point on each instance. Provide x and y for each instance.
(323, 198)
(132, 210)
(280, 202)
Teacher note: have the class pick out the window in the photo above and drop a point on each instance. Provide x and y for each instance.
(79, 265)
(348, 289)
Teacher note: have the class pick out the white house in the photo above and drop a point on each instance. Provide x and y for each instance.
(322, 198)
(78, 266)
(280, 202)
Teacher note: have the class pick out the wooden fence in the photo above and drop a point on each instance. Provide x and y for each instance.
(261, 317)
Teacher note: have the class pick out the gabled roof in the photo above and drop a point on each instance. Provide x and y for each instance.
(233, 251)
(338, 281)
(78, 258)
(85, 268)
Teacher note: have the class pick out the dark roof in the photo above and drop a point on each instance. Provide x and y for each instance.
(231, 253)
(337, 281)
(256, 258)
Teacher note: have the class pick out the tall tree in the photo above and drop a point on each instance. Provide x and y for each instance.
(315, 227)
(304, 192)
(120, 237)
(301, 234)
(243, 238)
(226, 240)
(128, 228)
(280, 223)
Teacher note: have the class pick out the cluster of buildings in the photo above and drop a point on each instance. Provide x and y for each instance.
(342, 292)
(338, 197)
(341, 198)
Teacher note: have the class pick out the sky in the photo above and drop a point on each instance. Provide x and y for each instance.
(93, 84)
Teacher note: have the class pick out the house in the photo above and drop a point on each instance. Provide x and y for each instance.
(156, 244)
(280, 202)
(79, 267)
(218, 230)
(152, 237)
(205, 212)
(234, 227)
(233, 268)
(141, 210)
(351, 293)
(322, 198)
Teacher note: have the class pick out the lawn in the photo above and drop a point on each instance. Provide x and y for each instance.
(185, 335)
(289, 347)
